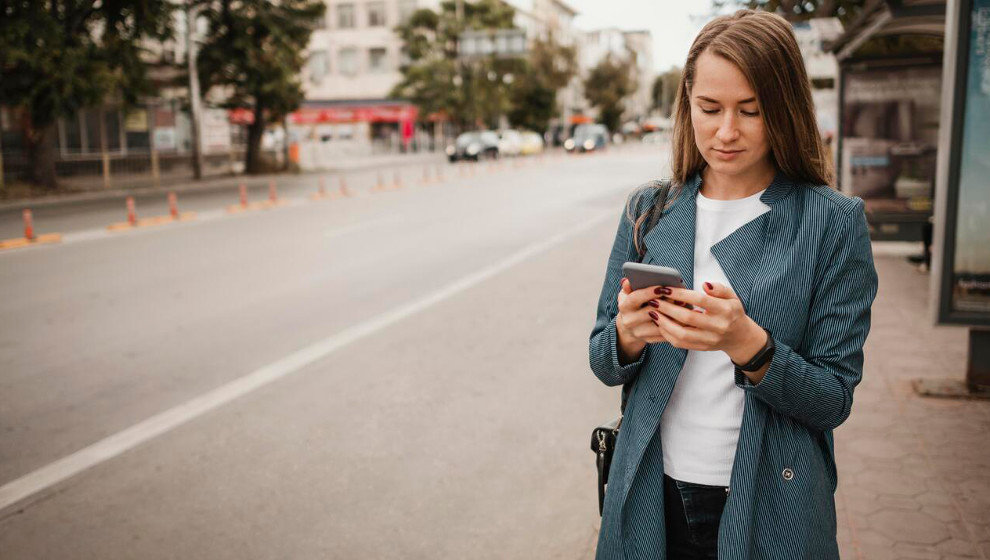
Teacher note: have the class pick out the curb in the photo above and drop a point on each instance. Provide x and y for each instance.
(207, 185)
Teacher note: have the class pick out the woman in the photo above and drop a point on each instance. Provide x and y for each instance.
(726, 444)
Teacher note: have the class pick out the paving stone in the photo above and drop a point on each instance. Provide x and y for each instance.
(898, 502)
(916, 552)
(958, 547)
(899, 483)
(909, 526)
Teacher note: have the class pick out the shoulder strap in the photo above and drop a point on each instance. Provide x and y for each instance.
(653, 214)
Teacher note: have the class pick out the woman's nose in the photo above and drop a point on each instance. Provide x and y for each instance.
(727, 130)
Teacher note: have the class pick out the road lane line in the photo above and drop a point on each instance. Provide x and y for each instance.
(35, 482)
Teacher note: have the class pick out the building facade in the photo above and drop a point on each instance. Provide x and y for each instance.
(635, 47)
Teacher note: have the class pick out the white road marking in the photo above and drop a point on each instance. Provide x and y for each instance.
(45, 477)
(337, 232)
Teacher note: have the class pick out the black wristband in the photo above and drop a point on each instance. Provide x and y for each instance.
(761, 358)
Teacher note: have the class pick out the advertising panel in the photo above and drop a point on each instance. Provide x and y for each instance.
(966, 274)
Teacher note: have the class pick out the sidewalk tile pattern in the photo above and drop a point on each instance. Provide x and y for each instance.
(914, 473)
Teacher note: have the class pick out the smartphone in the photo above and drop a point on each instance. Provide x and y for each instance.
(645, 275)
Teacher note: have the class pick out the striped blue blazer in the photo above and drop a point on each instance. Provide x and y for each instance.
(804, 271)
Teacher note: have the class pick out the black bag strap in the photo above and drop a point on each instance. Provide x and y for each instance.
(655, 212)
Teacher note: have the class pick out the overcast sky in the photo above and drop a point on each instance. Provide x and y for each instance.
(670, 22)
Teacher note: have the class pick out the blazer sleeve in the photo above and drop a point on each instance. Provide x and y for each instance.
(603, 350)
(816, 387)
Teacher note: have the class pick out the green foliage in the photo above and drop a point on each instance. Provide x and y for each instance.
(254, 49)
(60, 56)
(665, 90)
(606, 86)
(475, 93)
(470, 94)
(549, 68)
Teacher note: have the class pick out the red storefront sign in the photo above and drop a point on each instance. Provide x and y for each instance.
(319, 115)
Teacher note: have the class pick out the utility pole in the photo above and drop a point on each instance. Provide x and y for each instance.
(1, 152)
(195, 108)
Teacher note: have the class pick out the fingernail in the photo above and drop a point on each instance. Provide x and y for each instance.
(655, 316)
(655, 303)
(623, 280)
(709, 286)
(660, 290)
(665, 290)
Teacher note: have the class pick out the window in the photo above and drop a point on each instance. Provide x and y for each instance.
(318, 65)
(376, 14)
(345, 16)
(378, 60)
(348, 61)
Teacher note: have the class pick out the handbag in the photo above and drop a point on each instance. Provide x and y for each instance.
(604, 436)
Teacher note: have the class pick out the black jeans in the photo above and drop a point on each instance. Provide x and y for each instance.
(692, 512)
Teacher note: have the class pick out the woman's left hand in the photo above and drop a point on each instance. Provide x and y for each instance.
(720, 324)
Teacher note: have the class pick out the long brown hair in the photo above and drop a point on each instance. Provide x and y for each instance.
(763, 47)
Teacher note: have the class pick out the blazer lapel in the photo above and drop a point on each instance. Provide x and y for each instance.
(740, 253)
(671, 242)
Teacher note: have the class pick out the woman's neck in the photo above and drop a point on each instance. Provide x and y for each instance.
(719, 186)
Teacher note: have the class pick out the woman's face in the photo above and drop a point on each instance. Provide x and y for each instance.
(726, 117)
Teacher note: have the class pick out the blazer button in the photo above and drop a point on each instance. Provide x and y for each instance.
(787, 474)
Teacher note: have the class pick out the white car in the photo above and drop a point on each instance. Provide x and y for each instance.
(510, 142)
(532, 143)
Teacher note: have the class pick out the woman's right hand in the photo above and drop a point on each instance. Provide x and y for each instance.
(633, 323)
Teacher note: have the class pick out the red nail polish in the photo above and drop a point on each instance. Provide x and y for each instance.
(666, 290)
(709, 286)
(654, 303)
(655, 316)
(659, 290)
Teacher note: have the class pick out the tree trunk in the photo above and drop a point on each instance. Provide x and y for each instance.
(254, 163)
(40, 145)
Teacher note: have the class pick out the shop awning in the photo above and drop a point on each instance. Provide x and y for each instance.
(890, 17)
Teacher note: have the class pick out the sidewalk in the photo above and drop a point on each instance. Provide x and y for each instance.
(914, 473)
(221, 182)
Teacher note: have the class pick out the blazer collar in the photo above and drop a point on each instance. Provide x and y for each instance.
(671, 242)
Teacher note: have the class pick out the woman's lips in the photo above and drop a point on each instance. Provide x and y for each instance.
(726, 154)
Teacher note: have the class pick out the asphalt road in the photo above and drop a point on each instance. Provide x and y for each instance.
(399, 374)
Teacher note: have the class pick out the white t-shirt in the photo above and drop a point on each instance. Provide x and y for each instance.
(700, 426)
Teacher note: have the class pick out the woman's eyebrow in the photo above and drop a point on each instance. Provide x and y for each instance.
(704, 98)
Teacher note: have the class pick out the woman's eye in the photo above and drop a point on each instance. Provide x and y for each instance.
(749, 114)
(709, 111)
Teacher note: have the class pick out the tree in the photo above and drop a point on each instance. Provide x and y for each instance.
(254, 49)
(665, 90)
(481, 90)
(60, 56)
(549, 68)
(605, 88)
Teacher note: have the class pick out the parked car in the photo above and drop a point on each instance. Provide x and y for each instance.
(510, 143)
(587, 138)
(474, 145)
(532, 143)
